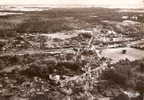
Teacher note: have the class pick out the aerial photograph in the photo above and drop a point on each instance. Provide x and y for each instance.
(71, 49)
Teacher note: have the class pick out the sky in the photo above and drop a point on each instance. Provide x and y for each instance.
(105, 3)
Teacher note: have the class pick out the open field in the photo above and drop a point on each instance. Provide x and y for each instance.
(71, 53)
(116, 54)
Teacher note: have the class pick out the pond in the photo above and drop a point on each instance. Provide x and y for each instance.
(117, 54)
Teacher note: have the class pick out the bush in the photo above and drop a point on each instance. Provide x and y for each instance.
(127, 75)
(115, 77)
